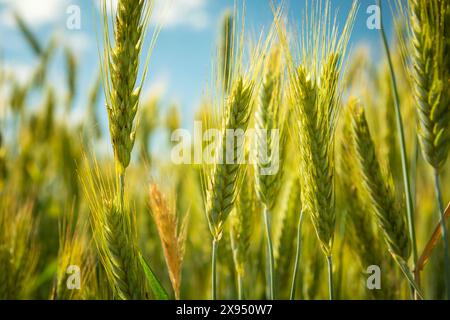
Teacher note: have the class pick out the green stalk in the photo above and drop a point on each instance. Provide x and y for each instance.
(240, 281)
(401, 137)
(269, 254)
(330, 277)
(215, 244)
(437, 187)
(297, 256)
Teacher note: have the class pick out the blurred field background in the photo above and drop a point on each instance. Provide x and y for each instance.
(52, 117)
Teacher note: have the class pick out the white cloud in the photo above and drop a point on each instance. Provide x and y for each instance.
(109, 4)
(175, 13)
(20, 72)
(35, 13)
(79, 42)
(157, 86)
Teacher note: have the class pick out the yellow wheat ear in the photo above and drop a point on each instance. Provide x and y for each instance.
(232, 110)
(172, 233)
(314, 73)
(114, 231)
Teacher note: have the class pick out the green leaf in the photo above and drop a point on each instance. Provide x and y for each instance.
(154, 283)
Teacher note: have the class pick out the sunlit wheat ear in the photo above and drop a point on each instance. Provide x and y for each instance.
(270, 131)
(430, 21)
(390, 217)
(172, 234)
(315, 95)
(120, 68)
(316, 164)
(364, 241)
(362, 236)
(113, 229)
(223, 179)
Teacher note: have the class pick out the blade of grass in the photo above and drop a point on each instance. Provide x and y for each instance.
(153, 281)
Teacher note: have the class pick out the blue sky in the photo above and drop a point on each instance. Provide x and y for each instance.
(181, 62)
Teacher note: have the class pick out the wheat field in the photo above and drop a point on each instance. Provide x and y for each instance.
(316, 172)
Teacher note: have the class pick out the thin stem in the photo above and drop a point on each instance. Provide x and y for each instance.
(439, 200)
(240, 281)
(401, 137)
(297, 256)
(213, 269)
(269, 253)
(330, 277)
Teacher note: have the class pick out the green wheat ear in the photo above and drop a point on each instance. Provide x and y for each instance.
(222, 182)
(430, 22)
(226, 50)
(113, 227)
(120, 67)
(269, 117)
(360, 221)
(315, 95)
(379, 189)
